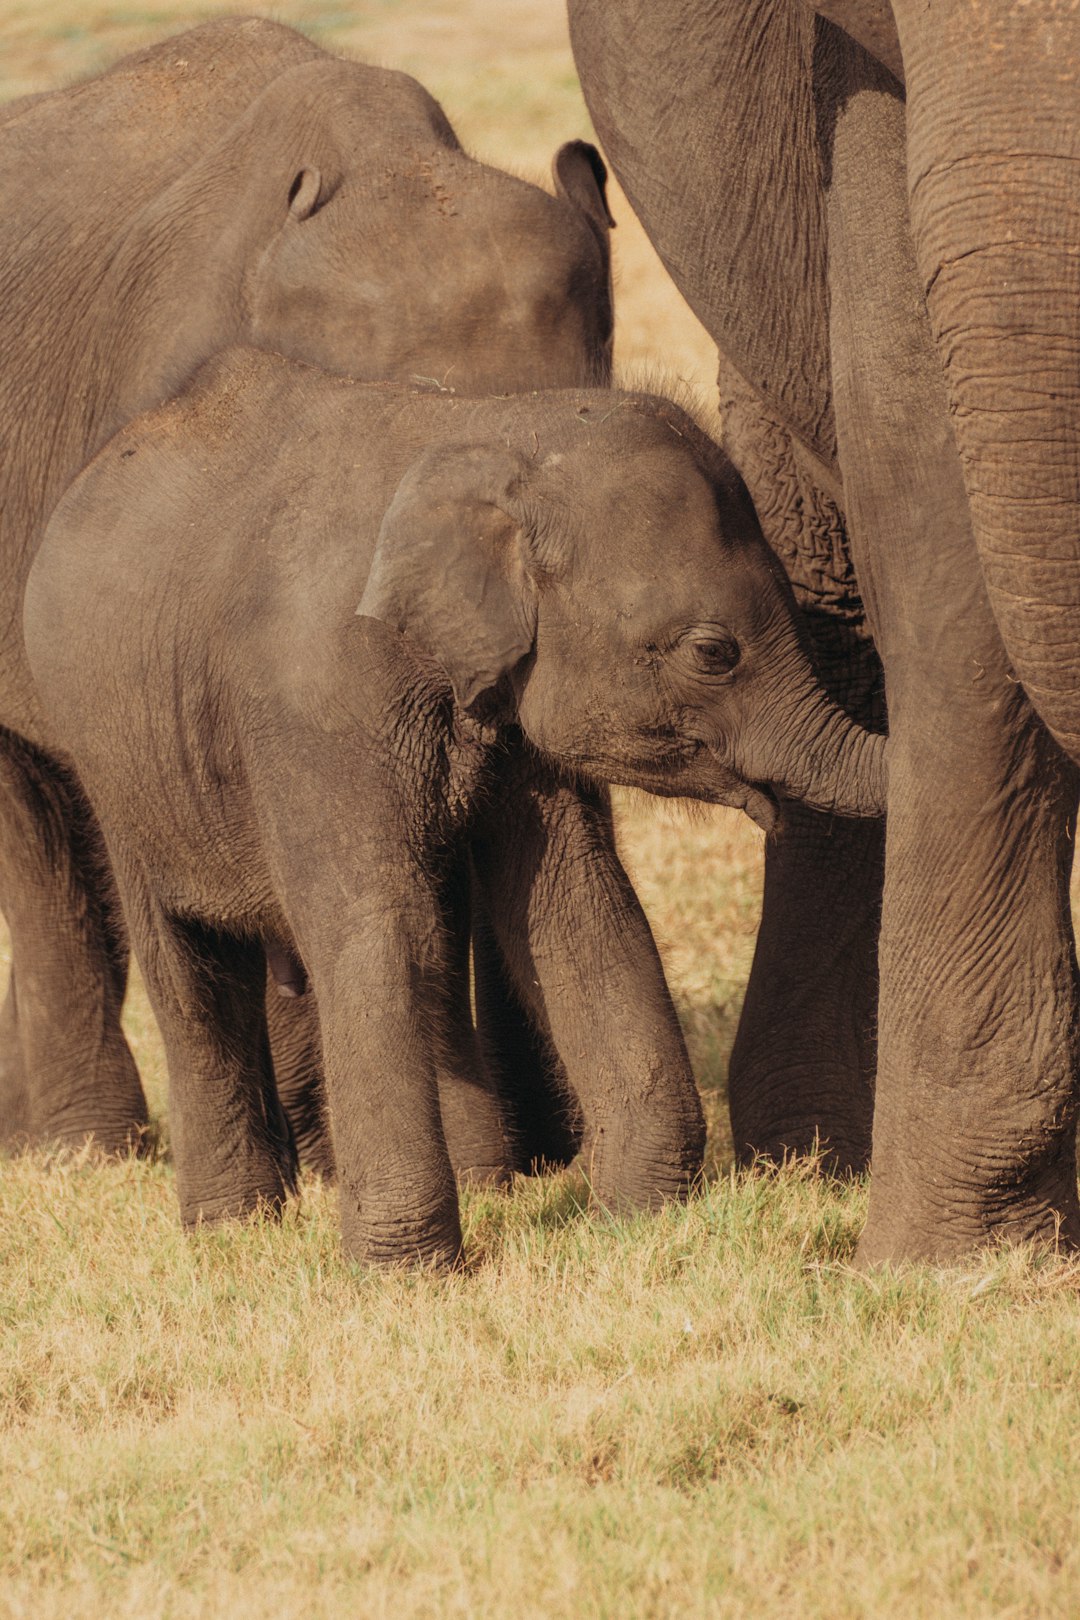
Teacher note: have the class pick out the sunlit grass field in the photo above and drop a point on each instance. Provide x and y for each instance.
(706, 1412)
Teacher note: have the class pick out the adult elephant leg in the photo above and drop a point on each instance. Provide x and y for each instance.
(66, 1073)
(974, 1130)
(543, 1119)
(730, 84)
(583, 961)
(15, 1127)
(974, 1136)
(801, 1076)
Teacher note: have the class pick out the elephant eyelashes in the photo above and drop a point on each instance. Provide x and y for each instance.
(711, 655)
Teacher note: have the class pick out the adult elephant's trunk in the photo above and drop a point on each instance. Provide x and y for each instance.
(994, 183)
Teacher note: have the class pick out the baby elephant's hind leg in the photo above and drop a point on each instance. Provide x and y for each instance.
(478, 1130)
(293, 1024)
(543, 1117)
(231, 1142)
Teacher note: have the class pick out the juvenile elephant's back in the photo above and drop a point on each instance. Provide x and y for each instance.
(79, 167)
(153, 107)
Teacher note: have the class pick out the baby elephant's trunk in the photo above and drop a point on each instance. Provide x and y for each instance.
(806, 748)
(836, 765)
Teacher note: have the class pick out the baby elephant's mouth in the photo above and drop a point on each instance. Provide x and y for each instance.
(679, 767)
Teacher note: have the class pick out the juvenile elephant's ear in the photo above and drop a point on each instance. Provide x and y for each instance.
(580, 176)
(452, 564)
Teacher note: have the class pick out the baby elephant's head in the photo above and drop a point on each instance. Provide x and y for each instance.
(618, 584)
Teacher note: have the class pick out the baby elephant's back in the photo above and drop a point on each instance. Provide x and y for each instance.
(235, 522)
(227, 536)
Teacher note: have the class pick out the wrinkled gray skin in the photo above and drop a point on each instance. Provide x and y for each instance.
(311, 645)
(233, 183)
(876, 217)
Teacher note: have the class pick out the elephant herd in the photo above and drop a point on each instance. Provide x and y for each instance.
(338, 582)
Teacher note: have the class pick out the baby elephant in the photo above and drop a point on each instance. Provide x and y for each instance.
(296, 633)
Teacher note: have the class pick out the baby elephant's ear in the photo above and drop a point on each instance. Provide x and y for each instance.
(580, 176)
(451, 568)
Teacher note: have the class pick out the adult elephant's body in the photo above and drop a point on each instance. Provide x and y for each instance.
(233, 183)
(896, 286)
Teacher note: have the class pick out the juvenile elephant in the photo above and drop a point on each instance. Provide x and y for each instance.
(874, 207)
(309, 642)
(235, 183)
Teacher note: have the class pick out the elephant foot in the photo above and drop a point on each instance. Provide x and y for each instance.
(305, 1111)
(15, 1118)
(254, 1173)
(474, 1125)
(635, 1169)
(492, 1175)
(430, 1241)
(924, 1219)
(107, 1111)
(263, 1194)
(838, 1143)
(293, 1026)
(548, 1136)
(785, 1105)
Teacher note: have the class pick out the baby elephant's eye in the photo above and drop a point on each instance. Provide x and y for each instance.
(712, 654)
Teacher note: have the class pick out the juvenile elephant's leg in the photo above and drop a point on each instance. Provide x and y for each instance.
(377, 971)
(66, 1072)
(583, 960)
(974, 1128)
(473, 1116)
(802, 1068)
(293, 1026)
(543, 1117)
(231, 1143)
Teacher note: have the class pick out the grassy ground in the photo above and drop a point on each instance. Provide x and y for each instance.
(705, 1412)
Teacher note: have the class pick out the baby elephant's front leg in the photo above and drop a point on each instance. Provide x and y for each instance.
(378, 975)
(580, 950)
